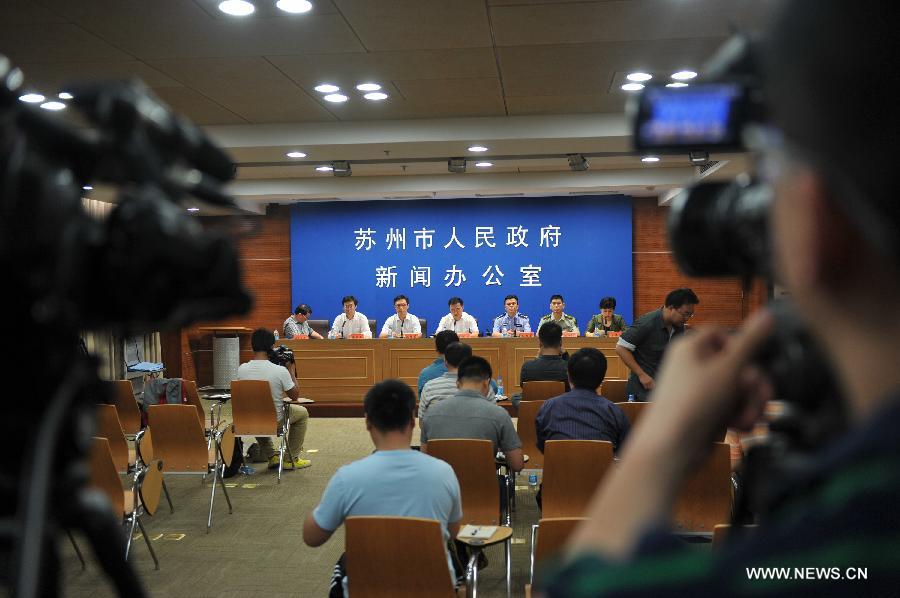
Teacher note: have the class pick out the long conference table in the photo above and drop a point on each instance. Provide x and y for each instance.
(341, 371)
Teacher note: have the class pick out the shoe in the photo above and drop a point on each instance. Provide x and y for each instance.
(298, 463)
(273, 461)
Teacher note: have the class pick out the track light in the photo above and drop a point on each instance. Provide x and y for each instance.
(577, 162)
(456, 164)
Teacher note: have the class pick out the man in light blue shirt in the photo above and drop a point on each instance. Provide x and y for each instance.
(438, 367)
(394, 481)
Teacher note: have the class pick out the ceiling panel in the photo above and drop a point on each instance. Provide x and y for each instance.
(250, 87)
(439, 90)
(61, 42)
(53, 76)
(26, 12)
(418, 24)
(415, 107)
(197, 107)
(565, 104)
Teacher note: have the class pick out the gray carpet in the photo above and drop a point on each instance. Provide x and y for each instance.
(258, 550)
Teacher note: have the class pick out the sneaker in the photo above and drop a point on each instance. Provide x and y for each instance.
(273, 461)
(298, 463)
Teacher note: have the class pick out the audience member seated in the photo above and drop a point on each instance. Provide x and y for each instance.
(438, 367)
(444, 386)
(550, 364)
(394, 481)
(282, 382)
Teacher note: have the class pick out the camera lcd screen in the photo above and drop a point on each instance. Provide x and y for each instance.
(703, 115)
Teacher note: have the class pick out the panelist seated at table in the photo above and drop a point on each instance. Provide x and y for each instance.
(297, 324)
(457, 320)
(401, 323)
(558, 314)
(606, 321)
(351, 321)
(512, 322)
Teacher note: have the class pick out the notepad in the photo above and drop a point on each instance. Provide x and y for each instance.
(480, 532)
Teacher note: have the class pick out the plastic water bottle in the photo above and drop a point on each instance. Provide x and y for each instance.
(276, 334)
(532, 479)
(247, 470)
(631, 398)
(500, 385)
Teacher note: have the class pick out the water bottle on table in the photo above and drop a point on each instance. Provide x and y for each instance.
(631, 398)
(500, 386)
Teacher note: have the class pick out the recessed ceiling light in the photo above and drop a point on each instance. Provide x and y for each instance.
(294, 6)
(638, 77)
(477, 148)
(684, 75)
(326, 88)
(484, 164)
(65, 95)
(335, 98)
(53, 106)
(237, 8)
(87, 187)
(633, 86)
(676, 84)
(324, 168)
(193, 209)
(32, 98)
(296, 155)
(650, 159)
(376, 95)
(368, 87)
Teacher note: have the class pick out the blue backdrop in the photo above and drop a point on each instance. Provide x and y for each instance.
(478, 249)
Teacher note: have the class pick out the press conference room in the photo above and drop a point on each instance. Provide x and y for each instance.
(381, 149)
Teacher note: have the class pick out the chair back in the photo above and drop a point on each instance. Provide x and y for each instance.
(143, 447)
(542, 390)
(474, 465)
(525, 426)
(109, 427)
(572, 471)
(553, 532)
(614, 390)
(320, 326)
(178, 439)
(634, 410)
(227, 445)
(151, 487)
(193, 398)
(423, 324)
(126, 406)
(705, 498)
(252, 409)
(373, 324)
(104, 476)
(396, 556)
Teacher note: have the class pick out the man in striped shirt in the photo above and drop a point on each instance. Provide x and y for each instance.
(444, 386)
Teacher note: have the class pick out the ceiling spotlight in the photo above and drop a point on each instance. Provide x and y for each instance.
(650, 159)
(335, 98)
(638, 77)
(633, 86)
(484, 164)
(87, 187)
(477, 148)
(577, 162)
(324, 168)
(53, 106)
(237, 8)
(376, 96)
(698, 158)
(676, 84)
(295, 155)
(65, 95)
(456, 165)
(684, 75)
(368, 87)
(341, 168)
(326, 88)
(193, 209)
(294, 6)
(32, 98)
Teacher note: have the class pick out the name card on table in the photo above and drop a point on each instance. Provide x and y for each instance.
(298, 337)
(410, 335)
(357, 335)
(613, 334)
(569, 334)
(525, 334)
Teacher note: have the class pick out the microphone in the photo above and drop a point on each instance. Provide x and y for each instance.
(401, 327)
(343, 334)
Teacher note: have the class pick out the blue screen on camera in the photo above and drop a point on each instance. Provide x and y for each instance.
(699, 115)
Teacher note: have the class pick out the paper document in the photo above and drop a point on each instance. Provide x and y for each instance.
(481, 532)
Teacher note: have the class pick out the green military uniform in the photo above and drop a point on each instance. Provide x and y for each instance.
(567, 322)
(617, 324)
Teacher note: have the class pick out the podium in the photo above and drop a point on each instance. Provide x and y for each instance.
(226, 353)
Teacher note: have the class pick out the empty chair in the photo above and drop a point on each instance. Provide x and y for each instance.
(525, 427)
(320, 326)
(633, 410)
(705, 499)
(131, 504)
(179, 442)
(126, 406)
(541, 390)
(614, 390)
(473, 463)
(572, 471)
(144, 451)
(215, 409)
(373, 324)
(548, 537)
(423, 323)
(109, 427)
(396, 556)
(253, 413)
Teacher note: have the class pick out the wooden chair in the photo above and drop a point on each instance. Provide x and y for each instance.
(614, 390)
(215, 409)
(541, 390)
(126, 406)
(473, 463)
(131, 504)
(178, 440)
(525, 427)
(398, 557)
(144, 451)
(722, 531)
(705, 499)
(109, 427)
(572, 471)
(634, 410)
(547, 538)
(253, 413)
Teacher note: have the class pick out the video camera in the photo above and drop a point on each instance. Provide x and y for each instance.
(281, 355)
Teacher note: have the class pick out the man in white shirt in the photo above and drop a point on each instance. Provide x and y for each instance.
(282, 382)
(457, 320)
(401, 323)
(351, 321)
